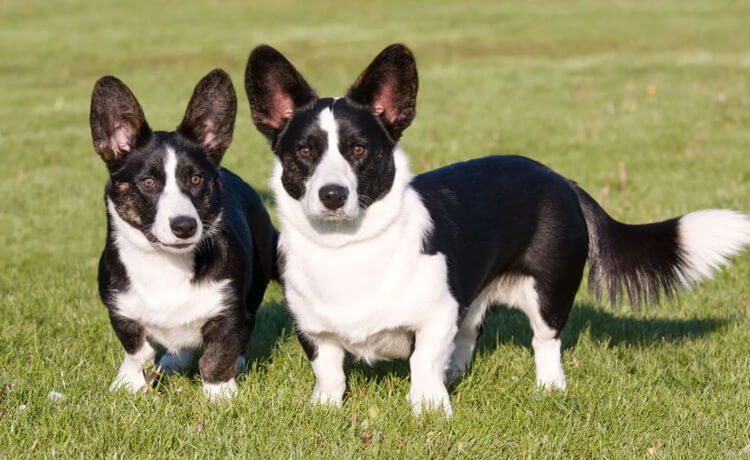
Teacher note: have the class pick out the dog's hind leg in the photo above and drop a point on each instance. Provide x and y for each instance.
(547, 309)
(466, 338)
(547, 354)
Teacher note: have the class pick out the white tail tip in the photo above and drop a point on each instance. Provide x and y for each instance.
(708, 239)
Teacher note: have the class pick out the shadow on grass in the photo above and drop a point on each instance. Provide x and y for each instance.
(511, 326)
(274, 326)
(505, 326)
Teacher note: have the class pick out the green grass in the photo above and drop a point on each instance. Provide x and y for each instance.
(660, 87)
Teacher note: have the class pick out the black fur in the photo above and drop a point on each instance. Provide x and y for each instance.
(642, 261)
(274, 87)
(115, 109)
(507, 228)
(239, 246)
(301, 130)
(309, 346)
(496, 216)
(358, 125)
(136, 204)
(389, 86)
(209, 118)
(506, 216)
(375, 168)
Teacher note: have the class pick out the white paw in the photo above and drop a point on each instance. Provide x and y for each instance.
(430, 399)
(220, 391)
(549, 371)
(324, 398)
(552, 382)
(131, 382)
(176, 362)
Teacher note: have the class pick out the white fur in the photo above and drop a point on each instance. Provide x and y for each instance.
(363, 284)
(162, 296)
(549, 372)
(173, 203)
(709, 238)
(332, 169)
(384, 345)
(328, 366)
(515, 292)
(429, 361)
(380, 215)
(130, 376)
(220, 391)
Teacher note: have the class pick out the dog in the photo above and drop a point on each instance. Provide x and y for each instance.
(190, 248)
(382, 264)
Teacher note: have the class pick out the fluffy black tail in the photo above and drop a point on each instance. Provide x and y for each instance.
(644, 261)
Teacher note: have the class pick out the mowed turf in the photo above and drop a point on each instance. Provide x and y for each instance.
(645, 104)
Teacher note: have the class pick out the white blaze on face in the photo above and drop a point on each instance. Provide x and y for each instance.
(332, 169)
(173, 203)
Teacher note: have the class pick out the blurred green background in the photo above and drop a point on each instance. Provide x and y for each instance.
(645, 103)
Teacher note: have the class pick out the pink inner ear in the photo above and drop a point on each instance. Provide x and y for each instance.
(281, 108)
(119, 142)
(209, 134)
(384, 102)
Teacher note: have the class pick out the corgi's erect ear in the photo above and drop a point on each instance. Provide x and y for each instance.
(389, 87)
(117, 121)
(209, 118)
(274, 89)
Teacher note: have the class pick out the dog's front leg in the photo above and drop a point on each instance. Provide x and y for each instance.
(138, 352)
(432, 350)
(327, 360)
(224, 341)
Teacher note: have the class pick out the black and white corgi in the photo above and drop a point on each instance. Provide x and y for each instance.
(384, 265)
(190, 248)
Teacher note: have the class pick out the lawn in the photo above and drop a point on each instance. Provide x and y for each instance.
(645, 104)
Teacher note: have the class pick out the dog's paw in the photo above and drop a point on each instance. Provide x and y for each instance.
(130, 382)
(220, 391)
(552, 382)
(328, 393)
(320, 398)
(430, 399)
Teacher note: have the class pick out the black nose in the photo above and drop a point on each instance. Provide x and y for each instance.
(333, 196)
(183, 226)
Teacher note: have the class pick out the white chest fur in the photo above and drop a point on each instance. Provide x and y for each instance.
(366, 294)
(161, 296)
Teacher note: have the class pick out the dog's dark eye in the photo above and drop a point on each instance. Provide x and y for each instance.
(359, 149)
(148, 182)
(304, 151)
(196, 180)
